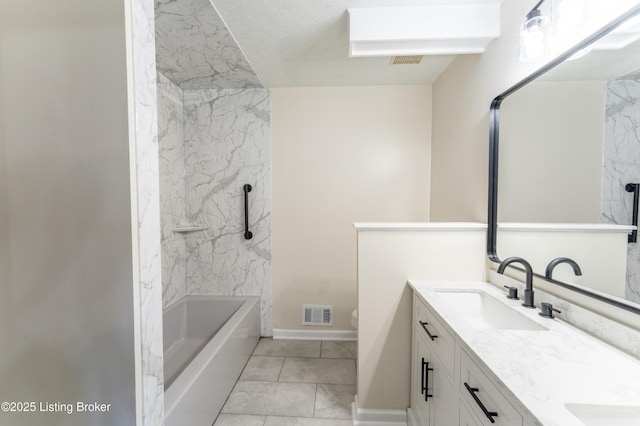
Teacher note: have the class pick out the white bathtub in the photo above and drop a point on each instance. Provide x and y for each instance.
(207, 342)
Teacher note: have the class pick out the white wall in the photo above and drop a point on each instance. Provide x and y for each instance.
(601, 255)
(387, 258)
(340, 155)
(66, 280)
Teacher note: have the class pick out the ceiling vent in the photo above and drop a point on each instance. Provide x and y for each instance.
(403, 60)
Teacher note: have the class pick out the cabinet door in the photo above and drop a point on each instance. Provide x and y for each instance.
(466, 418)
(445, 400)
(440, 340)
(435, 397)
(422, 382)
(483, 398)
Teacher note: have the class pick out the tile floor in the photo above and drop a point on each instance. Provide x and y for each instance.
(294, 383)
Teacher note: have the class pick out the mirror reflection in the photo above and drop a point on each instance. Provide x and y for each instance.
(569, 150)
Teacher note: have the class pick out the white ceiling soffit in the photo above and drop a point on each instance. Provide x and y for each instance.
(306, 43)
(436, 29)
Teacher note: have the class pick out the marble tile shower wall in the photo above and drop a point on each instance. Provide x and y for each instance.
(147, 203)
(195, 48)
(212, 142)
(227, 145)
(172, 188)
(621, 166)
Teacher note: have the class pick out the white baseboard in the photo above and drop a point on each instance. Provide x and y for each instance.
(368, 417)
(347, 335)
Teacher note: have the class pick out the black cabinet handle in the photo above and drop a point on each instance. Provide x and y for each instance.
(490, 414)
(247, 234)
(635, 188)
(424, 325)
(425, 379)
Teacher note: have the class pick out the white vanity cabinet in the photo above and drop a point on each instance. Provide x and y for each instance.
(496, 363)
(447, 386)
(466, 418)
(483, 397)
(434, 394)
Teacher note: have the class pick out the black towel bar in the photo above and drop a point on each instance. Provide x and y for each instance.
(247, 234)
(635, 188)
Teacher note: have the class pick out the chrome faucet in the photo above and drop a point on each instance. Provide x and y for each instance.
(528, 291)
(558, 260)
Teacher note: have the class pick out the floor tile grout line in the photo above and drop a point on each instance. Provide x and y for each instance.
(315, 357)
(310, 383)
(315, 399)
(284, 358)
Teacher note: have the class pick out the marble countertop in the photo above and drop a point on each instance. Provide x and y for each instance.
(545, 369)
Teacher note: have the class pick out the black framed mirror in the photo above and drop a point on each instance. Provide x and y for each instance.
(558, 172)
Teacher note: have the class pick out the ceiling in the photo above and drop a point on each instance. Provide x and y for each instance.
(305, 43)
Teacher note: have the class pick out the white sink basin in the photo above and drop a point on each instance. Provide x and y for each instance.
(605, 415)
(484, 311)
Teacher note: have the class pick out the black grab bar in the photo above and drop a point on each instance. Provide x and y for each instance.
(635, 188)
(247, 234)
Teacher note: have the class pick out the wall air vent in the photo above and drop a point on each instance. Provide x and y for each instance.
(402, 60)
(317, 315)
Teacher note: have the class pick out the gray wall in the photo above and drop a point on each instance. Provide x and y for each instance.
(66, 290)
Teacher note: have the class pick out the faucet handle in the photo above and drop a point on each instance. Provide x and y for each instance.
(513, 292)
(547, 310)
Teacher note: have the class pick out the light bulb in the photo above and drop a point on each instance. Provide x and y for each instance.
(533, 36)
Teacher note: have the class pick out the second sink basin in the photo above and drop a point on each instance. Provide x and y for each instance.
(605, 415)
(484, 311)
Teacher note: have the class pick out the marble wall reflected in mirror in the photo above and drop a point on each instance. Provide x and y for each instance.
(569, 143)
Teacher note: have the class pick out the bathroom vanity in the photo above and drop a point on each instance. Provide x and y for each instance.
(479, 358)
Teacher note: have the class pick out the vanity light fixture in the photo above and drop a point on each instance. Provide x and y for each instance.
(568, 14)
(567, 17)
(533, 34)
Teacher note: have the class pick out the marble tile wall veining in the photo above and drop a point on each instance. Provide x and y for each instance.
(172, 188)
(214, 137)
(147, 201)
(621, 166)
(196, 50)
(227, 145)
